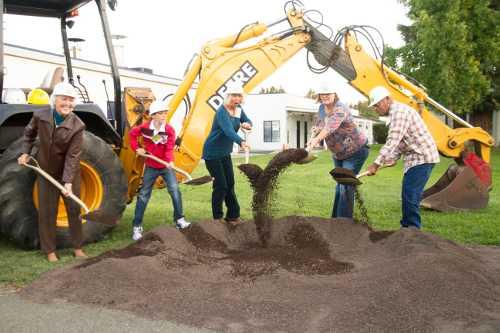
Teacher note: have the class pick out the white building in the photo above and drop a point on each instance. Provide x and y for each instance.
(281, 120)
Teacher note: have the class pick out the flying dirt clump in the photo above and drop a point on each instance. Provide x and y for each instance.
(264, 182)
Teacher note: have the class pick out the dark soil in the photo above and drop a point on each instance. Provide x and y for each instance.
(263, 183)
(199, 181)
(315, 275)
(360, 202)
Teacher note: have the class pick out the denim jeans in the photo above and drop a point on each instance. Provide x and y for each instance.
(414, 182)
(148, 181)
(223, 188)
(343, 205)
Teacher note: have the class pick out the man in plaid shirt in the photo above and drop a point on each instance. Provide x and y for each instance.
(408, 136)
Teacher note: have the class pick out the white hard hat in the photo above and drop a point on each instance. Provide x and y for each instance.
(157, 106)
(326, 88)
(64, 89)
(377, 94)
(13, 96)
(234, 88)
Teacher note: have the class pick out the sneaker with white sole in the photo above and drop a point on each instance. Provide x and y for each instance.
(182, 223)
(137, 233)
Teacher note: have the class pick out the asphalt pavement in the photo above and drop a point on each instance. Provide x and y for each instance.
(18, 315)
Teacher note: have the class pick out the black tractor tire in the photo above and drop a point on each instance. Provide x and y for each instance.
(18, 213)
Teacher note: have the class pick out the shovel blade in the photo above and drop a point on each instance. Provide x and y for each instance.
(345, 176)
(308, 159)
(100, 217)
(199, 181)
(342, 173)
(348, 181)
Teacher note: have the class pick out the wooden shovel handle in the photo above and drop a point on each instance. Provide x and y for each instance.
(56, 184)
(247, 155)
(159, 160)
(246, 133)
(365, 173)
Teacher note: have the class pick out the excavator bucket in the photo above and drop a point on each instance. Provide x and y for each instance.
(462, 187)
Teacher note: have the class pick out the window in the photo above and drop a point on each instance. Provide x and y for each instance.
(271, 131)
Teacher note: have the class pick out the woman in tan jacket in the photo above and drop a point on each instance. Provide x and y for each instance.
(60, 133)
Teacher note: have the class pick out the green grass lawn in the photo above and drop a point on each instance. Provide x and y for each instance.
(304, 190)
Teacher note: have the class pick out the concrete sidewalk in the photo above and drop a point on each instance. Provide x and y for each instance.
(18, 315)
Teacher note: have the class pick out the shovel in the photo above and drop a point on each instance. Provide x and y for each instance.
(94, 216)
(348, 177)
(190, 180)
(309, 158)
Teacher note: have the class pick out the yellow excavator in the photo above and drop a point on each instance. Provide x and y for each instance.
(463, 186)
(111, 171)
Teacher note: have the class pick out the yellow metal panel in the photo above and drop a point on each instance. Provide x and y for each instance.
(136, 102)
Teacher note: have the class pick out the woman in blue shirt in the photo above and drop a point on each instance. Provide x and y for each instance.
(217, 153)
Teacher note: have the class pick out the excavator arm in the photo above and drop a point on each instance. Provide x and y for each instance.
(450, 141)
(221, 62)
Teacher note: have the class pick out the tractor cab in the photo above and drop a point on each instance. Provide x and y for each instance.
(18, 103)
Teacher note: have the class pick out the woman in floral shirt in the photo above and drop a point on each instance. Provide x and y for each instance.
(347, 143)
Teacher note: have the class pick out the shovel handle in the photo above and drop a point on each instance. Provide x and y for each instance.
(56, 184)
(159, 160)
(246, 133)
(247, 155)
(366, 173)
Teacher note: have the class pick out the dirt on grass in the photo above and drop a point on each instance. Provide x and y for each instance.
(314, 275)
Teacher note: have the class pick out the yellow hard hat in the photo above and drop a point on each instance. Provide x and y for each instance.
(38, 96)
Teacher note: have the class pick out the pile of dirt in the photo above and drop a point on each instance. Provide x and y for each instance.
(263, 183)
(315, 275)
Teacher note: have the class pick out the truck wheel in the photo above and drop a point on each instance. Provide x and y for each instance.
(103, 187)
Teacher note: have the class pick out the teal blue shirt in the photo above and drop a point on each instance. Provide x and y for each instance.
(223, 134)
(58, 119)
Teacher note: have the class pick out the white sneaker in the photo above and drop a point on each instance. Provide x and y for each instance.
(182, 223)
(137, 233)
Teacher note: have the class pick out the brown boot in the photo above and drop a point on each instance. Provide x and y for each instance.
(235, 222)
(80, 254)
(52, 257)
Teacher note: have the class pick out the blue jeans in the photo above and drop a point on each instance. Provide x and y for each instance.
(343, 205)
(148, 181)
(414, 182)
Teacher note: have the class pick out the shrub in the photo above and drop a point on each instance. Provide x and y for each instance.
(380, 132)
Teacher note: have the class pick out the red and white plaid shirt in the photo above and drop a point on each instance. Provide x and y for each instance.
(408, 136)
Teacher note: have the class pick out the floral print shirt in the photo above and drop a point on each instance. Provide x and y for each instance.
(344, 138)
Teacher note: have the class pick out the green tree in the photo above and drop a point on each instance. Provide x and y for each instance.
(364, 110)
(453, 48)
(272, 90)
